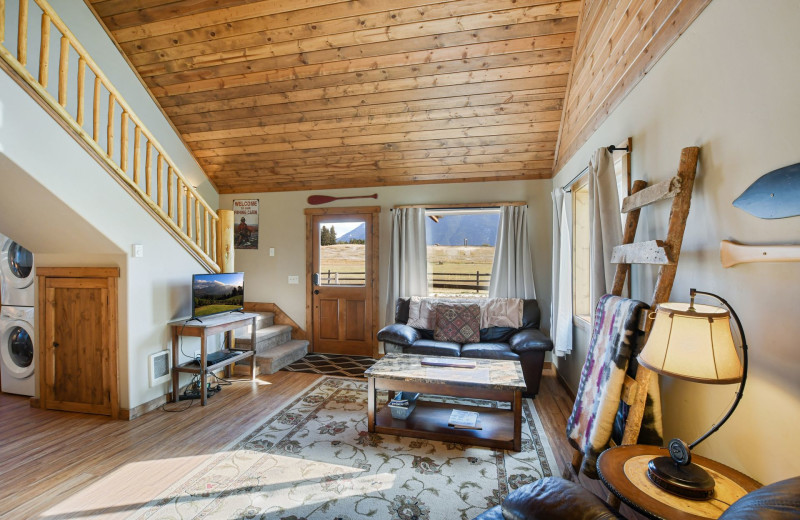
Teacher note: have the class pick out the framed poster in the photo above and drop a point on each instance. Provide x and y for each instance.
(245, 221)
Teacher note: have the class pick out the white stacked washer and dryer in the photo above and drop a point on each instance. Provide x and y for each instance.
(17, 332)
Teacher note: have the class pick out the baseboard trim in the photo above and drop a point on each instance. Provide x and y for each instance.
(129, 414)
(563, 383)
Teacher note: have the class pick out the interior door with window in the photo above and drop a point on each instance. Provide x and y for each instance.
(343, 280)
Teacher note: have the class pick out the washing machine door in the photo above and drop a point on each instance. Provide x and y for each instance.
(16, 264)
(17, 348)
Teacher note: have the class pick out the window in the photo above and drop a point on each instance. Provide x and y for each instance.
(581, 299)
(342, 259)
(460, 250)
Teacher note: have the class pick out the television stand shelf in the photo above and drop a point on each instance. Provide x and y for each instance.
(211, 325)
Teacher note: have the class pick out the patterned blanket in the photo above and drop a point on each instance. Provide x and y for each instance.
(495, 312)
(613, 342)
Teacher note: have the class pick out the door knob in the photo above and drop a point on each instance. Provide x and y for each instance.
(316, 291)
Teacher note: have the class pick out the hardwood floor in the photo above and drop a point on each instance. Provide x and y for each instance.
(67, 465)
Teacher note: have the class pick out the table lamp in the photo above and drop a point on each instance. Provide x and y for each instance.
(693, 342)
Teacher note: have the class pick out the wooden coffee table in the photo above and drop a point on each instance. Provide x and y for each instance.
(494, 380)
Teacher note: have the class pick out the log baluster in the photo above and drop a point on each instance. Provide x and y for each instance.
(63, 69)
(137, 141)
(44, 50)
(148, 170)
(96, 111)
(110, 127)
(123, 151)
(170, 197)
(22, 33)
(81, 89)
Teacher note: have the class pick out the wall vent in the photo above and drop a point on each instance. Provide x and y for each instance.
(159, 368)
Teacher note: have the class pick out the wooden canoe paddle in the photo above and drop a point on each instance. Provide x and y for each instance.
(324, 199)
(732, 253)
(774, 195)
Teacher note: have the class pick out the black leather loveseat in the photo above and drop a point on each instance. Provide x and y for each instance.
(526, 344)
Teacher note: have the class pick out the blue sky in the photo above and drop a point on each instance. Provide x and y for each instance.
(225, 278)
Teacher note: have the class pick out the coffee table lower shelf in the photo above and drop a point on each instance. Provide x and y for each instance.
(429, 421)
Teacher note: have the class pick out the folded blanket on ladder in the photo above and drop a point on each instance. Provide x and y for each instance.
(613, 340)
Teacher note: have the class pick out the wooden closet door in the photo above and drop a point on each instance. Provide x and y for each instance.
(76, 343)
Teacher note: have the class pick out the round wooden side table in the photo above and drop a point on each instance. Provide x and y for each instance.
(623, 470)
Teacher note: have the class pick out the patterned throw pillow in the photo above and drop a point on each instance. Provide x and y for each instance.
(458, 322)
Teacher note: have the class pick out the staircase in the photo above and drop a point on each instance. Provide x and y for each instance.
(275, 347)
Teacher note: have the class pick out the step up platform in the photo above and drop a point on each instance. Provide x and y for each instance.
(278, 357)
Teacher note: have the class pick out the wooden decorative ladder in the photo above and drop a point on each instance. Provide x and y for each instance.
(655, 252)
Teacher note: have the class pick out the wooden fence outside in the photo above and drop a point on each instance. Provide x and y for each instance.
(455, 281)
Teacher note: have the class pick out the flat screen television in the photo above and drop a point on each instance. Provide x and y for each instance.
(217, 293)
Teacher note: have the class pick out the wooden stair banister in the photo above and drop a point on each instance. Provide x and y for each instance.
(198, 239)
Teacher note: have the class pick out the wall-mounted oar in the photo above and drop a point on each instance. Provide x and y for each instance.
(324, 199)
(774, 195)
(732, 253)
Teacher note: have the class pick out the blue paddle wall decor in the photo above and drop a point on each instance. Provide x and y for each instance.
(774, 195)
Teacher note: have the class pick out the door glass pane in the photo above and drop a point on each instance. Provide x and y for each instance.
(20, 347)
(20, 260)
(342, 259)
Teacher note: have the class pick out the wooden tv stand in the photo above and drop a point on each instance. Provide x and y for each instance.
(211, 325)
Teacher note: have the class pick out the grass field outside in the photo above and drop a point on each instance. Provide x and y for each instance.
(205, 310)
(463, 262)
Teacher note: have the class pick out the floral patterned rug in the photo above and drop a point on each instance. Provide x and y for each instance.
(314, 459)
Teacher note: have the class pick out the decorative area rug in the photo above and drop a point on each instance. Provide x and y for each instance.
(314, 459)
(332, 365)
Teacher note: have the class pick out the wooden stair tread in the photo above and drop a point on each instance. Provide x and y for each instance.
(263, 333)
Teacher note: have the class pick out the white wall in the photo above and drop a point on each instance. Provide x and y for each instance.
(282, 225)
(729, 86)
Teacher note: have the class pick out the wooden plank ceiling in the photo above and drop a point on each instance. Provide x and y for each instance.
(309, 94)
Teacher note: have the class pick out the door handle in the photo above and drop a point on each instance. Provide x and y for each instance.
(315, 279)
(316, 291)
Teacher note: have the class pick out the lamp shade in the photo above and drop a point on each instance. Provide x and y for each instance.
(692, 343)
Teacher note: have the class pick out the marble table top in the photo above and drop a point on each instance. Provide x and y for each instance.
(487, 373)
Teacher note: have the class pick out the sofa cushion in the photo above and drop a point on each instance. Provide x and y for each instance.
(429, 347)
(489, 351)
(457, 322)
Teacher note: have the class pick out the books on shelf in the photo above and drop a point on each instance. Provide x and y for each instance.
(464, 420)
(448, 362)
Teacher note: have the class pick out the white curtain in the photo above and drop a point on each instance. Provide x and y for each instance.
(561, 310)
(512, 269)
(408, 261)
(606, 225)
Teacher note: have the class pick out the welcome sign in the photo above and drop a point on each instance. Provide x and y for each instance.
(245, 216)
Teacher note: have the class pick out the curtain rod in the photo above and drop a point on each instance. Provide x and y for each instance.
(470, 205)
(570, 183)
(611, 149)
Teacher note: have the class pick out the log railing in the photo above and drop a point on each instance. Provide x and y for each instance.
(197, 231)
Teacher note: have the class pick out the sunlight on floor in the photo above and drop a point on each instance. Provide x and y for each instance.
(131, 487)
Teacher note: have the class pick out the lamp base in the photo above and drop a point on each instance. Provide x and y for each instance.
(689, 481)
